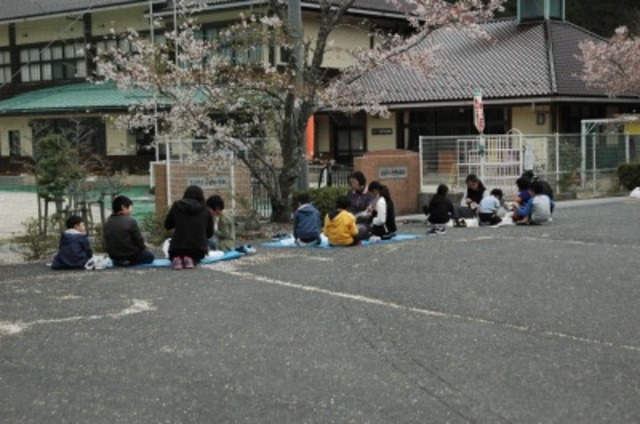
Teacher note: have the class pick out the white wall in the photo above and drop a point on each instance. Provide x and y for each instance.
(524, 118)
(381, 141)
(344, 38)
(12, 124)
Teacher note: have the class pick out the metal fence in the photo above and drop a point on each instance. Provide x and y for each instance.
(570, 162)
(319, 176)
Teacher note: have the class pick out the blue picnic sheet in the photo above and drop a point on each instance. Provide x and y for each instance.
(289, 242)
(227, 256)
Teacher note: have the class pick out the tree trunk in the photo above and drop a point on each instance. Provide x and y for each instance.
(291, 143)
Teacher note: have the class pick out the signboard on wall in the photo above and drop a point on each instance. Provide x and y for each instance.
(381, 131)
(212, 182)
(632, 128)
(393, 172)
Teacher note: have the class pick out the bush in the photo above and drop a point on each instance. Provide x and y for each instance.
(629, 175)
(33, 244)
(153, 228)
(324, 199)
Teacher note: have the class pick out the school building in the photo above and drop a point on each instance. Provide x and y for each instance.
(525, 68)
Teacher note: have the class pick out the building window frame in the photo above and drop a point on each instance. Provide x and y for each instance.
(254, 53)
(349, 134)
(5, 66)
(58, 61)
(15, 144)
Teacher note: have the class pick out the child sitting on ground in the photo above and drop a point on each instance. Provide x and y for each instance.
(74, 250)
(224, 230)
(122, 237)
(307, 223)
(340, 225)
(537, 211)
(488, 209)
(439, 211)
(190, 220)
(383, 217)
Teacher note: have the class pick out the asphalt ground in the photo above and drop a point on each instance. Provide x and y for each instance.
(483, 325)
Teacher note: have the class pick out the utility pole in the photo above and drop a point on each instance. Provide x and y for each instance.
(295, 23)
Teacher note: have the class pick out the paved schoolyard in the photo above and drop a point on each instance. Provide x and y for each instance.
(512, 324)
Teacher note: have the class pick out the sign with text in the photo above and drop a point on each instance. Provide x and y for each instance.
(381, 131)
(393, 172)
(212, 182)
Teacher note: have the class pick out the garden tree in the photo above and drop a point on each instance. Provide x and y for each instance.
(56, 167)
(220, 89)
(64, 155)
(613, 65)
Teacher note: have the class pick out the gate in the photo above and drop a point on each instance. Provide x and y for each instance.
(497, 159)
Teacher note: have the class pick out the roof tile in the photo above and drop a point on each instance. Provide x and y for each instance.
(514, 61)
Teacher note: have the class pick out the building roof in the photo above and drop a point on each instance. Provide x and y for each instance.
(13, 10)
(370, 5)
(516, 61)
(86, 97)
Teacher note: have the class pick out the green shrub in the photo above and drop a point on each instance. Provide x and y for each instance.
(629, 175)
(324, 199)
(33, 244)
(153, 228)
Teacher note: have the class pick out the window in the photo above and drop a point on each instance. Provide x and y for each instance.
(63, 61)
(144, 143)
(349, 136)
(285, 55)
(15, 150)
(5, 66)
(239, 50)
(103, 46)
(88, 135)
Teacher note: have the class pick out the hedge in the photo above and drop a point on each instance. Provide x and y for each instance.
(324, 199)
(629, 175)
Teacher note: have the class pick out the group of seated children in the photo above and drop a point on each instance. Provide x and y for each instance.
(532, 205)
(122, 239)
(194, 223)
(367, 212)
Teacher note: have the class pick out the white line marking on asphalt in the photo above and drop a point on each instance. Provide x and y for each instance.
(429, 312)
(137, 307)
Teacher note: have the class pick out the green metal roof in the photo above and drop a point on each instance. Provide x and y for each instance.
(84, 97)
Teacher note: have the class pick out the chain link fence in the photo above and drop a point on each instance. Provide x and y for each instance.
(572, 163)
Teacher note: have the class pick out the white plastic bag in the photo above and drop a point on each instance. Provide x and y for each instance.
(98, 262)
(635, 193)
(165, 247)
(215, 254)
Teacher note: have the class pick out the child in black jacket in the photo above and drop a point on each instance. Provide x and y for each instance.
(439, 211)
(192, 226)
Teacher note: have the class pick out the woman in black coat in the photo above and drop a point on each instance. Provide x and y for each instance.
(192, 226)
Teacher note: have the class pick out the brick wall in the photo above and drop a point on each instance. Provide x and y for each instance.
(180, 174)
(404, 191)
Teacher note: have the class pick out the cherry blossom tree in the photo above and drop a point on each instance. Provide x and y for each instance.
(221, 89)
(613, 65)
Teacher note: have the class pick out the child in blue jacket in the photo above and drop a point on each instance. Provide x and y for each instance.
(307, 222)
(74, 250)
(538, 209)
